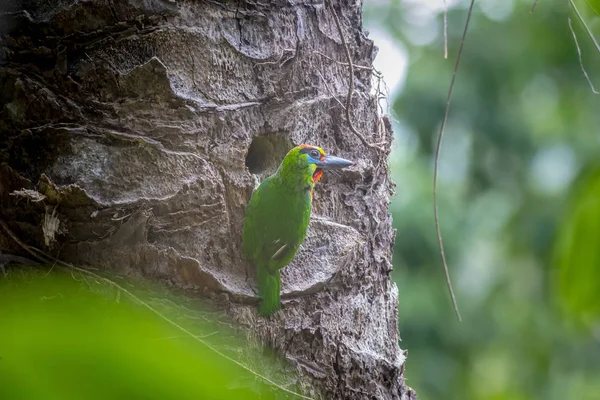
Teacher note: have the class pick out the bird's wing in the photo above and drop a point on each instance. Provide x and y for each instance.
(281, 252)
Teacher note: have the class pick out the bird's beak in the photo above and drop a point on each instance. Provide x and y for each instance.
(331, 162)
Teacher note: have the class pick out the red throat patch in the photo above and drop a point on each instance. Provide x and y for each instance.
(317, 175)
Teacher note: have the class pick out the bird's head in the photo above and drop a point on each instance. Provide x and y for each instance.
(308, 163)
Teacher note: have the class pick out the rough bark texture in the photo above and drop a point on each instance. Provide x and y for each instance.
(133, 132)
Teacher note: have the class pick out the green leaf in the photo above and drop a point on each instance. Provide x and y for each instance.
(72, 336)
(577, 252)
(595, 4)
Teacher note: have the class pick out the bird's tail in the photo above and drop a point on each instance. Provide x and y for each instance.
(268, 290)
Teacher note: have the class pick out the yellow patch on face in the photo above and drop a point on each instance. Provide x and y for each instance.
(321, 151)
(304, 146)
(315, 172)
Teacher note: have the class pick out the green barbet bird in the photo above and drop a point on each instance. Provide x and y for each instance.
(277, 217)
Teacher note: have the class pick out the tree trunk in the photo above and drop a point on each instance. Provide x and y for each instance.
(132, 134)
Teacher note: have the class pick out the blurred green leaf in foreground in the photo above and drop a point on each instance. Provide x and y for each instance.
(578, 252)
(65, 336)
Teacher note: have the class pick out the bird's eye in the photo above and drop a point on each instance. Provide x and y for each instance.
(316, 154)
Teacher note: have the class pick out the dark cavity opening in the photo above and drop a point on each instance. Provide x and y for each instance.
(266, 153)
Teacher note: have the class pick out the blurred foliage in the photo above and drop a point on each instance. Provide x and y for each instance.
(519, 198)
(595, 4)
(578, 252)
(69, 336)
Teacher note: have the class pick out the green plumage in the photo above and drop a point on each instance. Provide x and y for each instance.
(275, 225)
(277, 217)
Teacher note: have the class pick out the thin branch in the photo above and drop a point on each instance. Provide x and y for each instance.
(329, 90)
(279, 61)
(437, 159)
(20, 243)
(533, 6)
(351, 79)
(581, 59)
(587, 28)
(185, 336)
(445, 29)
(32, 250)
(345, 64)
(7, 258)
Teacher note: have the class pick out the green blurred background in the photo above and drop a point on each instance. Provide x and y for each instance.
(519, 197)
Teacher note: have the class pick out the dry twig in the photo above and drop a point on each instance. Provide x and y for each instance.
(20, 243)
(345, 64)
(445, 29)
(581, 59)
(7, 258)
(587, 28)
(437, 159)
(351, 81)
(329, 90)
